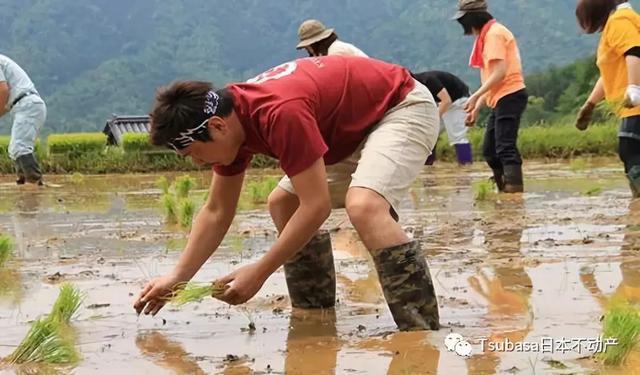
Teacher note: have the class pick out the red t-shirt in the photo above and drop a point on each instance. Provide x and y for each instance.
(310, 108)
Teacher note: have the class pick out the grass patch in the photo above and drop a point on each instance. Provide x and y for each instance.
(559, 141)
(51, 340)
(138, 142)
(483, 190)
(76, 144)
(622, 321)
(187, 293)
(6, 247)
(259, 190)
(87, 152)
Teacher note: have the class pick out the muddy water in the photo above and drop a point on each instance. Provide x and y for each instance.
(521, 269)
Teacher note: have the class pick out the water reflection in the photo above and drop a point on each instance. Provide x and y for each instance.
(167, 353)
(312, 342)
(505, 286)
(410, 352)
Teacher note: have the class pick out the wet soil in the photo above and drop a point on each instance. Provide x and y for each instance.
(518, 268)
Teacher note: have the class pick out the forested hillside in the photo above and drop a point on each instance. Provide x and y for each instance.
(93, 58)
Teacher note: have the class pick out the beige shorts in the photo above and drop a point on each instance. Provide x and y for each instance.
(392, 155)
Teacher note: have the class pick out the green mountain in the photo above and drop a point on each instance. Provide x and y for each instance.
(94, 58)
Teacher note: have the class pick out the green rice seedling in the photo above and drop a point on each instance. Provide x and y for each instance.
(483, 190)
(163, 184)
(67, 304)
(5, 250)
(50, 339)
(251, 326)
(45, 343)
(186, 293)
(186, 212)
(183, 186)
(592, 192)
(170, 210)
(622, 322)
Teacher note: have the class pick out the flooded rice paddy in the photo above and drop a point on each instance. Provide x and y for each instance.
(518, 269)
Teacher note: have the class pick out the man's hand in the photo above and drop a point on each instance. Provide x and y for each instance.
(242, 284)
(585, 115)
(154, 295)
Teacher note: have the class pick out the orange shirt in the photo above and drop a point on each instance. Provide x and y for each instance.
(500, 44)
(620, 34)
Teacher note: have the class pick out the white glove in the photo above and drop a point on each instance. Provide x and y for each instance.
(632, 98)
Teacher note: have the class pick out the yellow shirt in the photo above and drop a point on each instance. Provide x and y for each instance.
(500, 44)
(620, 34)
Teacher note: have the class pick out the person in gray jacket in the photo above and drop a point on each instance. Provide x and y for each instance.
(19, 97)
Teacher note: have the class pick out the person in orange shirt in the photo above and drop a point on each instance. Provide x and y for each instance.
(619, 63)
(497, 56)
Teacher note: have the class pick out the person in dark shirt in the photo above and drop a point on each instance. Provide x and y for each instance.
(451, 95)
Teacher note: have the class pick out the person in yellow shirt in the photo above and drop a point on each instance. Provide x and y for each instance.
(618, 60)
(497, 56)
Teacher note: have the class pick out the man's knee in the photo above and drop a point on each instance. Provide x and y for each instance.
(365, 206)
(280, 200)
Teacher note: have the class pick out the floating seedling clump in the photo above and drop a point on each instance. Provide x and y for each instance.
(483, 190)
(51, 340)
(621, 322)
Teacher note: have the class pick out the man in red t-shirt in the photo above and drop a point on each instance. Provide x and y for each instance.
(348, 132)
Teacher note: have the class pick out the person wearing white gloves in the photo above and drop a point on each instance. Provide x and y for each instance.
(618, 60)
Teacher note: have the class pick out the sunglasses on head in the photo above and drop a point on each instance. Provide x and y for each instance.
(187, 137)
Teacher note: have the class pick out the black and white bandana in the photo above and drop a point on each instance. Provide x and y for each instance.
(187, 137)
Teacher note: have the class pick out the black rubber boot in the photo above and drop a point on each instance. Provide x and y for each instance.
(498, 178)
(634, 180)
(30, 169)
(407, 286)
(20, 180)
(311, 276)
(513, 181)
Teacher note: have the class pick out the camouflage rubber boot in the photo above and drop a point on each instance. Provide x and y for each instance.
(311, 276)
(634, 180)
(30, 169)
(407, 286)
